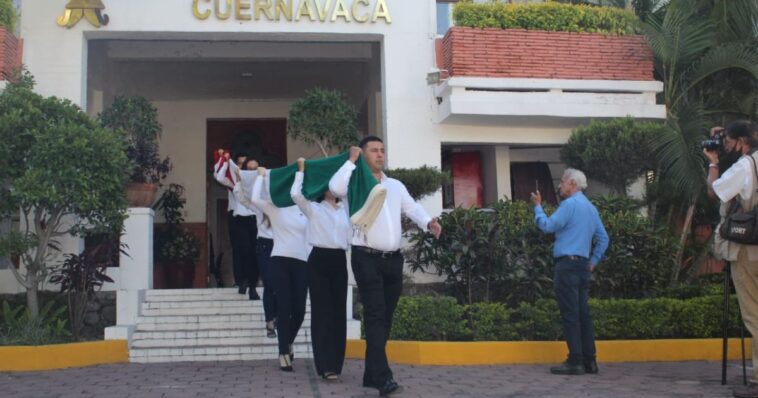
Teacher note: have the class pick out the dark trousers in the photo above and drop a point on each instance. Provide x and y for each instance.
(572, 290)
(380, 282)
(327, 283)
(291, 290)
(263, 252)
(243, 232)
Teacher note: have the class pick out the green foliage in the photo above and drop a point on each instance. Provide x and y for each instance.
(19, 327)
(614, 152)
(421, 182)
(429, 318)
(546, 16)
(324, 118)
(174, 244)
(137, 118)
(8, 15)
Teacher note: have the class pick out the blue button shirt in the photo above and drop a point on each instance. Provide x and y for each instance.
(575, 223)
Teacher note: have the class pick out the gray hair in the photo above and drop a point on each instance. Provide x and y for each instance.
(577, 176)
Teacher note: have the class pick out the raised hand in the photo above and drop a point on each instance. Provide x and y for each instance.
(355, 152)
(301, 164)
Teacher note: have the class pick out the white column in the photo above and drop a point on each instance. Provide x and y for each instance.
(503, 167)
(136, 272)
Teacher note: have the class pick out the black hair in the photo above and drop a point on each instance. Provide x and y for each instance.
(240, 154)
(743, 128)
(370, 138)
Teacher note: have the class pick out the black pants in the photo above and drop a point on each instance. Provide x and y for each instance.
(380, 282)
(327, 282)
(263, 253)
(572, 290)
(243, 233)
(291, 283)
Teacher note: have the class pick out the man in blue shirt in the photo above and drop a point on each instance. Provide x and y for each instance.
(575, 224)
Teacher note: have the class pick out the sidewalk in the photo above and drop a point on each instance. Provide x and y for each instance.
(264, 379)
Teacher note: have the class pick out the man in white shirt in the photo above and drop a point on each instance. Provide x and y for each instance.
(376, 259)
(739, 183)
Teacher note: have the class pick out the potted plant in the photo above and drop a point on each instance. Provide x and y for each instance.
(176, 249)
(138, 119)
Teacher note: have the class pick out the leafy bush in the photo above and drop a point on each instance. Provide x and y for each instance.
(19, 327)
(8, 15)
(615, 152)
(421, 182)
(324, 118)
(173, 243)
(547, 16)
(428, 318)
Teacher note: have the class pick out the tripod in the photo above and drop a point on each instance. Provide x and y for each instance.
(725, 326)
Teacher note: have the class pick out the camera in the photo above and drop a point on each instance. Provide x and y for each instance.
(715, 143)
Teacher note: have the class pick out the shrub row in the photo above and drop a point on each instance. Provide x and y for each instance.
(428, 318)
(545, 16)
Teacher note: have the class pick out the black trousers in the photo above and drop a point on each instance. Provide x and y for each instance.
(243, 233)
(327, 282)
(263, 253)
(380, 282)
(291, 283)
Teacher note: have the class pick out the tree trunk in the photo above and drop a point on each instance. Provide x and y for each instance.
(677, 266)
(32, 298)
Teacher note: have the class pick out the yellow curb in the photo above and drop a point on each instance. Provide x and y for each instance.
(61, 356)
(531, 352)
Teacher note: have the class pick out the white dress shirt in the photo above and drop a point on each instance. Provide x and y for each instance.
(386, 233)
(239, 209)
(288, 224)
(219, 173)
(243, 194)
(737, 182)
(328, 227)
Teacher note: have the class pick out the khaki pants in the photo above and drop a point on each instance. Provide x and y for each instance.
(745, 277)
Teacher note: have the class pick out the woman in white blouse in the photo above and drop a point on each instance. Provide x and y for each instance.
(328, 232)
(288, 268)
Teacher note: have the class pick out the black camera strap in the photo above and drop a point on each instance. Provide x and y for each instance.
(735, 202)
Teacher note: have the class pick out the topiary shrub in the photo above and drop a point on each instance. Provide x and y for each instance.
(427, 318)
(323, 118)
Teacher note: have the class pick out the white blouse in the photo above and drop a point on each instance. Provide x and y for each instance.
(328, 227)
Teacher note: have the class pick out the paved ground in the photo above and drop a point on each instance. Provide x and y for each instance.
(263, 379)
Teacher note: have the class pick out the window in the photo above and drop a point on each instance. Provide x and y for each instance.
(444, 17)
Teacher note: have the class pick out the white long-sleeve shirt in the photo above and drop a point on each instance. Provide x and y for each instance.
(243, 194)
(328, 227)
(235, 206)
(288, 224)
(219, 173)
(386, 233)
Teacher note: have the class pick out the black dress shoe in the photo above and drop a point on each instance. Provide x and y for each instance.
(591, 368)
(389, 387)
(567, 369)
(253, 294)
(242, 289)
(369, 384)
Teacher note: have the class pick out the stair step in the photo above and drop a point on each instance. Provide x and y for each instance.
(184, 326)
(217, 358)
(161, 312)
(159, 305)
(209, 342)
(208, 350)
(201, 334)
(178, 292)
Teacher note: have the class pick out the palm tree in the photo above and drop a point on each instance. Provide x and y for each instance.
(697, 45)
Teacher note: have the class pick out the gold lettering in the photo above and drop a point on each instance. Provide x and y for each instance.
(340, 10)
(381, 11)
(196, 10)
(356, 17)
(305, 9)
(263, 6)
(322, 6)
(239, 7)
(223, 15)
(285, 8)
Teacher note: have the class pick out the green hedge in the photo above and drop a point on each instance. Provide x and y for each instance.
(8, 16)
(427, 318)
(545, 16)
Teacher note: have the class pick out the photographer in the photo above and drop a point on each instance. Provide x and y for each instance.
(738, 183)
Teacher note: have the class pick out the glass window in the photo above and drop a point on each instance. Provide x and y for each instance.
(444, 17)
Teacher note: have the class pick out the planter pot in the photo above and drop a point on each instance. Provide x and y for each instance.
(141, 194)
(179, 275)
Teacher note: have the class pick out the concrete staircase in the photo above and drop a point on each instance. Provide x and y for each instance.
(206, 325)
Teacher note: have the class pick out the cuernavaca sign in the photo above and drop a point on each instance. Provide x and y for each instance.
(91, 10)
(361, 11)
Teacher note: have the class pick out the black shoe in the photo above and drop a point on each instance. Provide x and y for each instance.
(253, 294)
(369, 384)
(242, 289)
(389, 387)
(292, 353)
(284, 363)
(567, 369)
(270, 331)
(591, 368)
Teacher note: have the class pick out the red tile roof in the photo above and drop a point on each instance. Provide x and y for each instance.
(518, 53)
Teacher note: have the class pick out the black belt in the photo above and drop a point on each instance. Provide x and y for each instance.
(572, 258)
(374, 252)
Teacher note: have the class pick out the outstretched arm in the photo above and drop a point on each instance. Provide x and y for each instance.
(264, 205)
(297, 190)
(340, 180)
